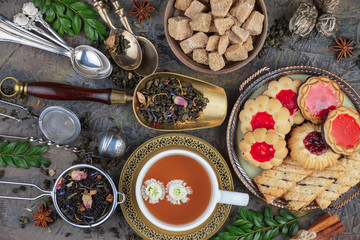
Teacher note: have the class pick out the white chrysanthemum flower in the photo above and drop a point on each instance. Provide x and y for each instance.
(153, 191)
(177, 192)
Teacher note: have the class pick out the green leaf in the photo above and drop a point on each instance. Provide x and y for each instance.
(267, 235)
(268, 213)
(90, 32)
(68, 1)
(88, 13)
(227, 236)
(80, 6)
(69, 32)
(32, 161)
(257, 214)
(257, 236)
(42, 160)
(271, 222)
(242, 214)
(258, 222)
(20, 162)
(57, 25)
(65, 22)
(274, 233)
(2, 145)
(2, 162)
(103, 34)
(285, 230)
(293, 230)
(43, 149)
(215, 238)
(69, 14)
(249, 237)
(10, 147)
(246, 226)
(36, 2)
(76, 24)
(287, 214)
(60, 9)
(20, 149)
(43, 8)
(9, 160)
(239, 222)
(280, 220)
(48, 2)
(235, 230)
(250, 215)
(95, 24)
(33, 150)
(50, 15)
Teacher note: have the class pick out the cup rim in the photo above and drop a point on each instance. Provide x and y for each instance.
(215, 192)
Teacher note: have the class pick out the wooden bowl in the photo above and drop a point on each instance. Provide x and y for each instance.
(258, 42)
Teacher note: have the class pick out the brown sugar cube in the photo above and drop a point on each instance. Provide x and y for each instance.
(212, 28)
(236, 53)
(201, 22)
(216, 61)
(182, 4)
(236, 22)
(243, 9)
(194, 8)
(254, 24)
(179, 28)
(223, 24)
(240, 32)
(201, 56)
(199, 40)
(205, 1)
(219, 8)
(248, 44)
(212, 43)
(223, 44)
(232, 37)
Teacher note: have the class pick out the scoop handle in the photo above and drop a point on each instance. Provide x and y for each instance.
(59, 91)
(119, 10)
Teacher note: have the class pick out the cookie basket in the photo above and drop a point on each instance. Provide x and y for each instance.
(246, 89)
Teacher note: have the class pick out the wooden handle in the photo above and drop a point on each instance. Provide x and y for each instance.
(58, 91)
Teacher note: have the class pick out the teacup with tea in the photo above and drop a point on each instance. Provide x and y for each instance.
(177, 190)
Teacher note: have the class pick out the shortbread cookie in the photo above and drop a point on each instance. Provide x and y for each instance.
(312, 186)
(343, 183)
(285, 89)
(342, 130)
(263, 148)
(317, 96)
(273, 183)
(308, 147)
(265, 112)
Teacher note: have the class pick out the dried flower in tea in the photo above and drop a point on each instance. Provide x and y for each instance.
(169, 101)
(87, 198)
(327, 25)
(78, 175)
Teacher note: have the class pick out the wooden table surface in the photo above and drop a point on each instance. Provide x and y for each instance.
(29, 65)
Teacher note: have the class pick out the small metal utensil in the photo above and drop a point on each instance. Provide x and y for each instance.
(28, 113)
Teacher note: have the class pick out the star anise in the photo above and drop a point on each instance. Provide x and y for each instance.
(42, 217)
(142, 9)
(343, 47)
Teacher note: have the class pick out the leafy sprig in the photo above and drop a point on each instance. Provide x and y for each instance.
(69, 16)
(252, 225)
(20, 155)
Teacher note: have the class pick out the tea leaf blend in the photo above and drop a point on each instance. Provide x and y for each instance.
(251, 224)
(20, 155)
(169, 101)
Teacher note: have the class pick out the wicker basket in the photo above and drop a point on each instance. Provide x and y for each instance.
(247, 88)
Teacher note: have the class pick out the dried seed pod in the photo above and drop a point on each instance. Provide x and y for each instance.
(327, 25)
(304, 19)
(328, 6)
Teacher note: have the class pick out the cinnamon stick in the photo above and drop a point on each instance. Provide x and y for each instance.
(325, 223)
(320, 219)
(331, 231)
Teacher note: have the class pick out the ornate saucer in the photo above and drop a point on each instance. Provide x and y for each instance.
(141, 155)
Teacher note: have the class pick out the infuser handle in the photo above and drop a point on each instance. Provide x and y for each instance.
(123, 197)
(45, 193)
(119, 10)
(59, 91)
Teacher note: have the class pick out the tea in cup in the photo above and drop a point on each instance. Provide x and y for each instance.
(177, 190)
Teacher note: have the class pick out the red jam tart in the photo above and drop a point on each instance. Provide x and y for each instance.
(263, 148)
(265, 112)
(285, 89)
(342, 130)
(317, 97)
(308, 147)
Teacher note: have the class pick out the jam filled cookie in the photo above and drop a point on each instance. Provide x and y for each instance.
(265, 112)
(308, 147)
(317, 96)
(285, 89)
(263, 148)
(342, 130)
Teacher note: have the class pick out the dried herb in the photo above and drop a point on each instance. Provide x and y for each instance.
(24, 220)
(70, 16)
(117, 43)
(17, 154)
(255, 225)
(67, 234)
(137, 25)
(343, 48)
(304, 19)
(15, 190)
(46, 185)
(81, 196)
(142, 9)
(170, 101)
(42, 217)
(115, 231)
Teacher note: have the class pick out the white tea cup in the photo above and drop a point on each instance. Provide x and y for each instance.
(217, 195)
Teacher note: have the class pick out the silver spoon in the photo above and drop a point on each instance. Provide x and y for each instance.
(131, 58)
(150, 58)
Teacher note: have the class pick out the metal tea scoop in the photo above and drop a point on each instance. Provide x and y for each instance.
(131, 57)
